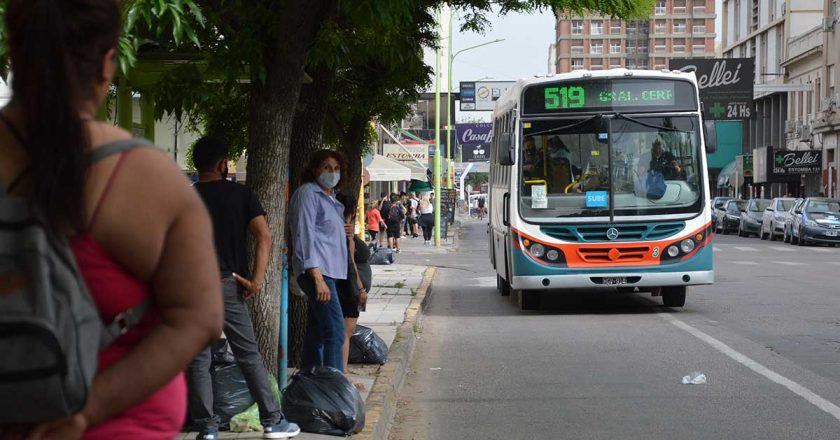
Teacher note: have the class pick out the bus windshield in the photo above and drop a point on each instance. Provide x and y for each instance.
(622, 166)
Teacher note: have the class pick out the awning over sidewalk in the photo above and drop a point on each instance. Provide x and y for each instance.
(382, 169)
(725, 173)
(418, 172)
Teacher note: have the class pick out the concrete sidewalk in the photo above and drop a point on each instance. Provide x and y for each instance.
(394, 287)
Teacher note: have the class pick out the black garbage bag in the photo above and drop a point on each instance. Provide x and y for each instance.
(366, 347)
(382, 256)
(321, 400)
(230, 391)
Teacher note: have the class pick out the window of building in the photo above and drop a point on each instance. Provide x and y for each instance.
(596, 64)
(577, 50)
(679, 26)
(577, 27)
(577, 64)
(699, 28)
(615, 47)
(699, 8)
(660, 8)
(615, 27)
(659, 27)
(737, 21)
(831, 82)
(597, 27)
(698, 48)
(679, 7)
(679, 48)
(615, 64)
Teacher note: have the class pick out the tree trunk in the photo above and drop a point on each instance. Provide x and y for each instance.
(352, 144)
(306, 138)
(275, 90)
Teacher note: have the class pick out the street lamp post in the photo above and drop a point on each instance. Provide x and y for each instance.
(449, 137)
(437, 135)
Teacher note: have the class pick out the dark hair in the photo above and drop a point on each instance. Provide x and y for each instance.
(351, 204)
(56, 48)
(310, 173)
(208, 151)
(395, 198)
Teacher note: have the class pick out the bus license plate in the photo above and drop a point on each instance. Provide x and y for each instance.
(614, 281)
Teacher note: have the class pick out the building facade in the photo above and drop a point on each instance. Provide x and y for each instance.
(676, 29)
(826, 125)
(794, 46)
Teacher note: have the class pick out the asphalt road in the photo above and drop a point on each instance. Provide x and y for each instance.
(609, 366)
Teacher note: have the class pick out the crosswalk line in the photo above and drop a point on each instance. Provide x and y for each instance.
(746, 249)
(790, 263)
(782, 249)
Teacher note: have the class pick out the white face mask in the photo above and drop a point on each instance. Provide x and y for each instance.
(329, 180)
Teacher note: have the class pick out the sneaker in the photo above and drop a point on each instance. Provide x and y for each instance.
(208, 434)
(283, 429)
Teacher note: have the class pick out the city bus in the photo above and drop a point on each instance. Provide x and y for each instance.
(599, 181)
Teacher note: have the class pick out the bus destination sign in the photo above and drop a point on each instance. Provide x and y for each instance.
(604, 95)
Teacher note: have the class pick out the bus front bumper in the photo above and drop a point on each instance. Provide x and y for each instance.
(612, 279)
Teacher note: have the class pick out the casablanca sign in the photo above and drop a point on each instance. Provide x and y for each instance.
(726, 85)
(474, 139)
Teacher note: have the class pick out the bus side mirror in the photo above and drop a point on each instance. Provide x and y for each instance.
(710, 132)
(507, 154)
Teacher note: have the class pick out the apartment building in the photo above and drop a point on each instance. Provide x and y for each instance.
(676, 29)
(826, 124)
(794, 59)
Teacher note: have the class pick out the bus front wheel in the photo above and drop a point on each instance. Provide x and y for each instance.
(673, 296)
(528, 300)
(502, 285)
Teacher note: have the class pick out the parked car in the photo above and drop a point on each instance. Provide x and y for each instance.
(817, 220)
(793, 212)
(729, 218)
(775, 216)
(717, 207)
(752, 217)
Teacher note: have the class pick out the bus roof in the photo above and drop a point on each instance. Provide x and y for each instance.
(511, 98)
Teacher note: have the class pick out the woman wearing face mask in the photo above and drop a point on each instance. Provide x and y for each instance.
(320, 257)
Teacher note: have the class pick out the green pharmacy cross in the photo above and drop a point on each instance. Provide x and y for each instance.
(717, 110)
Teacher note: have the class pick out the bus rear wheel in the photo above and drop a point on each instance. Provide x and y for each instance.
(673, 296)
(528, 299)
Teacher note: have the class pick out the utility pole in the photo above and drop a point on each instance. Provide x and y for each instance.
(437, 133)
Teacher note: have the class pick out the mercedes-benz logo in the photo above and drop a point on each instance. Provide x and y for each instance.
(612, 233)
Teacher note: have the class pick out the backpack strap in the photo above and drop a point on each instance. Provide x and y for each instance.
(124, 322)
(117, 147)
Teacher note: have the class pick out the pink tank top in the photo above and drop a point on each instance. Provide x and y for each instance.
(114, 290)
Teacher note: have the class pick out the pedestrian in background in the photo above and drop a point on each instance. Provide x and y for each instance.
(413, 215)
(91, 183)
(375, 225)
(236, 212)
(394, 214)
(320, 257)
(427, 218)
(353, 292)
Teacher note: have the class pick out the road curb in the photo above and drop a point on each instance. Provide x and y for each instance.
(381, 404)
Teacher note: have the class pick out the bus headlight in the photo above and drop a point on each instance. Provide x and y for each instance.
(687, 245)
(673, 251)
(538, 250)
(552, 255)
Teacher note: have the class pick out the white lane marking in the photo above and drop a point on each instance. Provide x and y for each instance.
(717, 249)
(481, 282)
(742, 359)
(746, 249)
(789, 263)
(836, 263)
(745, 263)
(816, 249)
(782, 249)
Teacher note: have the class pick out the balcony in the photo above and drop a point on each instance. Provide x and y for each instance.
(679, 29)
(577, 50)
(698, 10)
(615, 30)
(659, 48)
(698, 29)
(805, 43)
(698, 49)
(679, 10)
(679, 49)
(659, 10)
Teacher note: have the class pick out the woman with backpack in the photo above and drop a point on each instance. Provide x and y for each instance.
(394, 213)
(90, 182)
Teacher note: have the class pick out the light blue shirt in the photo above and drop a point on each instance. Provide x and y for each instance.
(318, 232)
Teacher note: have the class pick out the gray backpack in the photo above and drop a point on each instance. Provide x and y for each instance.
(50, 328)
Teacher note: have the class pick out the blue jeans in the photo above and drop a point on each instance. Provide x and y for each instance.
(324, 341)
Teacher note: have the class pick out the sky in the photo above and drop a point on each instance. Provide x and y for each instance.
(522, 54)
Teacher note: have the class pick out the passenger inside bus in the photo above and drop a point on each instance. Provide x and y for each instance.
(534, 165)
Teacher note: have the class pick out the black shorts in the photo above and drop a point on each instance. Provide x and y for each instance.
(394, 232)
(373, 234)
(349, 304)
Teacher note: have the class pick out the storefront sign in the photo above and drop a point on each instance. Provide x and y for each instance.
(408, 154)
(474, 133)
(475, 153)
(726, 85)
(791, 163)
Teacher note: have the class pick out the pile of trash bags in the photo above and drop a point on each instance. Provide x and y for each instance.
(366, 347)
(230, 391)
(321, 400)
(381, 256)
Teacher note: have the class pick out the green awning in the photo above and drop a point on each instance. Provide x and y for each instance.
(420, 186)
(725, 173)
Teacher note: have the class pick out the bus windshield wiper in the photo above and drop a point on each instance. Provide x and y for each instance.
(649, 125)
(566, 127)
